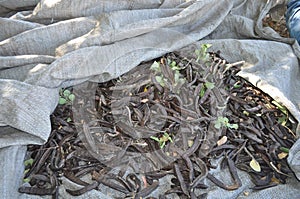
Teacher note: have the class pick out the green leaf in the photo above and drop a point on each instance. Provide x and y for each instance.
(176, 76)
(233, 126)
(155, 138)
(28, 162)
(246, 113)
(174, 66)
(218, 125)
(160, 80)
(237, 85)
(209, 85)
(202, 53)
(62, 101)
(202, 91)
(169, 61)
(282, 120)
(283, 149)
(71, 97)
(280, 107)
(25, 180)
(255, 165)
(166, 137)
(156, 67)
(179, 80)
(163, 139)
(26, 171)
(66, 93)
(205, 47)
(69, 119)
(119, 79)
(224, 120)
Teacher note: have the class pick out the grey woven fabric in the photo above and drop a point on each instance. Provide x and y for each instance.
(50, 44)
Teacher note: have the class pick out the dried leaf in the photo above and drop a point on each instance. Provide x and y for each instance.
(189, 118)
(222, 141)
(282, 155)
(275, 180)
(145, 100)
(255, 165)
(246, 193)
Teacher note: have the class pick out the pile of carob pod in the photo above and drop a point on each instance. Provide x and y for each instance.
(171, 116)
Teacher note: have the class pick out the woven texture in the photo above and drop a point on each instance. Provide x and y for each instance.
(51, 44)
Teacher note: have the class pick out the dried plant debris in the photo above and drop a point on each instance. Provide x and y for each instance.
(279, 25)
(168, 117)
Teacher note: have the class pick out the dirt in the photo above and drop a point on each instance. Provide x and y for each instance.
(278, 25)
